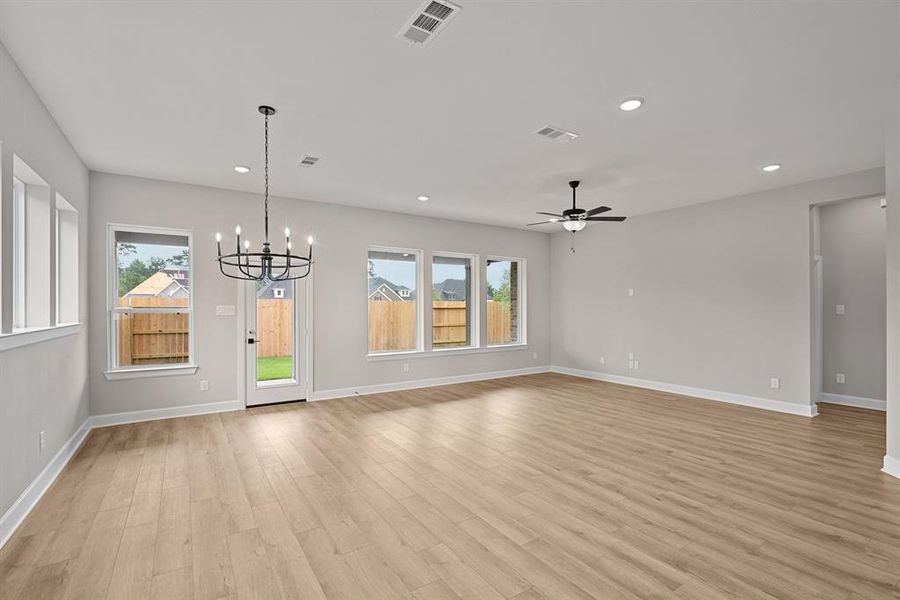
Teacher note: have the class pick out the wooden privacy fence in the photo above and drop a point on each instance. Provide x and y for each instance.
(153, 338)
(392, 325)
(163, 338)
(274, 327)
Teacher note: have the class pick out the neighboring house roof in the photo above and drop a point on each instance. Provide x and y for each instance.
(381, 288)
(179, 274)
(277, 290)
(451, 289)
(159, 284)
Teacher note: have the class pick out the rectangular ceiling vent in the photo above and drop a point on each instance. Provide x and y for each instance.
(309, 161)
(555, 133)
(427, 22)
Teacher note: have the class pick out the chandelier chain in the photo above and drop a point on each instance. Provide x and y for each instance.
(267, 177)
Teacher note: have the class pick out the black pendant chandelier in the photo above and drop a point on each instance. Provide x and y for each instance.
(266, 265)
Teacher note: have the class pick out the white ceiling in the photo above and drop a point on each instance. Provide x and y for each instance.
(169, 90)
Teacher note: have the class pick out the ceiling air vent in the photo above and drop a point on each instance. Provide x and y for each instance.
(427, 22)
(309, 161)
(555, 133)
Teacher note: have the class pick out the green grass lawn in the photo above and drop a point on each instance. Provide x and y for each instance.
(270, 368)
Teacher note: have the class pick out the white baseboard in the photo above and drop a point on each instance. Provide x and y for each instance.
(891, 466)
(10, 521)
(155, 414)
(792, 408)
(857, 401)
(422, 383)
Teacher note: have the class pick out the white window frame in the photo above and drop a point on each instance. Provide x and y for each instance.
(19, 271)
(521, 314)
(59, 251)
(420, 310)
(474, 303)
(112, 284)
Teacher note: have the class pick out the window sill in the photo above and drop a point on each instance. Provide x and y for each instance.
(36, 335)
(117, 374)
(443, 352)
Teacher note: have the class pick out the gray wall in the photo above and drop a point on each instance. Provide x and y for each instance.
(43, 387)
(342, 235)
(852, 247)
(721, 292)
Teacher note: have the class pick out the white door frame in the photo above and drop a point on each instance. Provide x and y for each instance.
(306, 286)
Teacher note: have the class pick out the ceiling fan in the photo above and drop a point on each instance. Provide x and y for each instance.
(575, 219)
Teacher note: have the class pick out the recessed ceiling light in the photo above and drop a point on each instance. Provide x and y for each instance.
(629, 104)
(771, 168)
(423, 198)
(241, 169)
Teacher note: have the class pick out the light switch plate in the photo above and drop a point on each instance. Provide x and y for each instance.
(631, 291)
(225, 310)
(840, 378)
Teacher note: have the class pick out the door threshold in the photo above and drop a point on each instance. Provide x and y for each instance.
(277, 403)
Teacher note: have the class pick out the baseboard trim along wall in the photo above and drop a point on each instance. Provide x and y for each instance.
(891, 466)
(421, 383)
(16, 514)
(173, 412)
(803, 410)
(857, 401)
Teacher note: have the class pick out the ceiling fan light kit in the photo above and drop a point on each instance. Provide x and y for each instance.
(264, 265)
(575, 219)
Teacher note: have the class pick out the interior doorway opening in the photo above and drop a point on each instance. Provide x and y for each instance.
(848, 294)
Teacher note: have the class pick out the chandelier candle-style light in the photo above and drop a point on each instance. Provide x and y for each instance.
(265, 265)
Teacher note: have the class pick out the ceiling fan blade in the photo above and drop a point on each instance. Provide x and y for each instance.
(550, 215)
(597, 211)
(541, 223)
(616, 219)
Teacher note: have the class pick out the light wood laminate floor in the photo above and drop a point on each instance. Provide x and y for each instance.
(543, 486)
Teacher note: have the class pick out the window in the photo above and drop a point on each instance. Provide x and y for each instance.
(31, 248)
(394, 316)
(150, 297)
(452, 321)
(504, 301)
(66, 262)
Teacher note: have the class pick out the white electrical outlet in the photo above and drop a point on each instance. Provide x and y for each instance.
(630, 364)
(839, 377)
(637, 365)
(406, 367)
(840, 309)
(775, 383)
(204, 385)
(631, 291)
(602, 361)
(534, 356)
(631, 356)
(41, 440)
